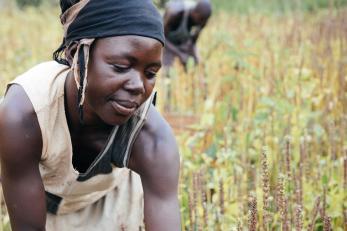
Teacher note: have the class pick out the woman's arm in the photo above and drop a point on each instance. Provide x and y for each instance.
(20, 152)
(155, 158)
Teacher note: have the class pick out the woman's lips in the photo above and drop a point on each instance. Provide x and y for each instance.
(124, 108)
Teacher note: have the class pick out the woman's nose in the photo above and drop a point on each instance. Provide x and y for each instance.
(135, 83)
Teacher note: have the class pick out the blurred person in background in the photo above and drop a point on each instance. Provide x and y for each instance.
(183, 23)
(82, 148)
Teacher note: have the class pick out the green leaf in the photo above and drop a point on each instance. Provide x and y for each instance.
(325, 180)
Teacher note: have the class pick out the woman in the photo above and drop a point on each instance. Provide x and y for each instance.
(79, 136)
(183, 23)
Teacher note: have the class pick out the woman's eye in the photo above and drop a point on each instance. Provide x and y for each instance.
(151, 74)
(120, 68)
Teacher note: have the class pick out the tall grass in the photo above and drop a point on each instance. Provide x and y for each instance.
(275, 6)
(264, 116)
(273, 81)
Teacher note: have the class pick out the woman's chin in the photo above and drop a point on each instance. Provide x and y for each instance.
(116, 121)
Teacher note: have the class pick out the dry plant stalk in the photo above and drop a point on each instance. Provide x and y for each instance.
(285, 219)
(323, 208)
(287, 161)
(195, 199)
(307, 164)
(297, 187)
(298, 218)
(221, 197)
(282, 202)
(203, 197)
(327, 223)
(332, 143)
(345, 172)
(314, 214)
(1, 212)
(279, 193)
(344, 217)
(289, 216)
(252, 217)
(239, 226)
(266, 188)
(191, 210)
(301, 172)
(251, 179)
(199, 189)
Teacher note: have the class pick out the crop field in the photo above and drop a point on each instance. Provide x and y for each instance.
(261, 122)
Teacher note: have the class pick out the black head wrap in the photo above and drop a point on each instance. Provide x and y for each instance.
(91, 19)
(105, 18)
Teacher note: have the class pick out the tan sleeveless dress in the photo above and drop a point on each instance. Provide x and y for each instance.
(106, 197)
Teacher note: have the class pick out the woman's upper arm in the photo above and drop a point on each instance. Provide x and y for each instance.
(167, 20)
(155, 157)
(171, 16)
(20, 153)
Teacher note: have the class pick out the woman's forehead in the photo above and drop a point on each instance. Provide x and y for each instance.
(129, 46)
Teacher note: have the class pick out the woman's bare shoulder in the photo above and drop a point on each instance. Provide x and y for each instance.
(155, 143)
(19, 129)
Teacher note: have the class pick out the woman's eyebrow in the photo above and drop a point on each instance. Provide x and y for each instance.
(133, 59)
(155, 64)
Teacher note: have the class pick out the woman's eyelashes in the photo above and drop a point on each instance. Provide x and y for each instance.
(120, 68)
(151, 74)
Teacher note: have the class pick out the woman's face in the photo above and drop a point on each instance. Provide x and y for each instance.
(121, 76)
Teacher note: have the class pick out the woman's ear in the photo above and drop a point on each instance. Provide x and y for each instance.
(70, 52)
